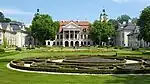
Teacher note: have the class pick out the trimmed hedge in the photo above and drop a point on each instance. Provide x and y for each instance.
(40, 64)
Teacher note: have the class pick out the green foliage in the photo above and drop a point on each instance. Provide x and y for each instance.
(2, 50)
(135, 20)
(123, 18)
(101, 31)
(135, 49)
(3, 19)
(144, 23)
(114, 23)
(43, 27)
(18, 49)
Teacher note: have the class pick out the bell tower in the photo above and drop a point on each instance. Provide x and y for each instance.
(103, 16)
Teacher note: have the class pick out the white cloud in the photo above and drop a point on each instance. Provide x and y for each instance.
(135, 1)
(14, 12)
(121, 1)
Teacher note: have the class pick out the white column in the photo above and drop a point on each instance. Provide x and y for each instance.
(74, 35)
(69, 34)
(63, 42)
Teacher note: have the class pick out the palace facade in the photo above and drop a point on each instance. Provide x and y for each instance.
(72, 33)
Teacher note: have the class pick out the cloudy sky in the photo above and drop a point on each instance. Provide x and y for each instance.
(23, 10)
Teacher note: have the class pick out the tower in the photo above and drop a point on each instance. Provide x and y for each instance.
(103, 16)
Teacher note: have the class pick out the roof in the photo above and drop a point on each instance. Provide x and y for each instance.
(16, 26)
(82, 24)
(128, 26)
(4, 25)
(135, 31)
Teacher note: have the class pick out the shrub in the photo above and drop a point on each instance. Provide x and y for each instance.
(2, 50)
(18, 49)
(116, 47)
(32, 47)
(121, 48)
(135, 49)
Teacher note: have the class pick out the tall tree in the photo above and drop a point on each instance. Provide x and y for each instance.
(135, 20)
(43, 27)
(123, 18)
(101, 31)
(144, 23)
(114, 23)
(3, 19)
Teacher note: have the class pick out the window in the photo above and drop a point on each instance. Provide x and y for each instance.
(61, 43)
(81, 36)
(71, 36)
(57, 36)
(84, 43)
(67, 36)
(76, 36)
(88, 36)
(53, 43)
(88, 42)
(57, 43)
(61, 36)
(84, 36)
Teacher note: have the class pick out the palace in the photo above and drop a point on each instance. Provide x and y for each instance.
(72, 33)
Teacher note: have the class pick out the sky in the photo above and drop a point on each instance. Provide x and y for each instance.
(24, 10)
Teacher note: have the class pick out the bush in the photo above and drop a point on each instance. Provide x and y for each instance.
(2, 50)
(135, 49)
(18, 49)
(116, 47)
(121, 48)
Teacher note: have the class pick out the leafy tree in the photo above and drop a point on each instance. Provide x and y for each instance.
(44, 28)
(135, 20)
(114, 23)
(1, 15)
(123, 18)
(101, 31)
(3, 19)
(144, 23)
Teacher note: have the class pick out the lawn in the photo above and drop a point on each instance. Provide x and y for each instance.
(8, 76)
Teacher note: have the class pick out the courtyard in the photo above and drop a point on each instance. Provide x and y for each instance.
(8, 76)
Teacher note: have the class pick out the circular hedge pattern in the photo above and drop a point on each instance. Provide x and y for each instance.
(93, 64)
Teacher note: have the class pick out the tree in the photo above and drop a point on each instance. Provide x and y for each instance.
(135, 20)
(101, 31)
(3, 19)
(114, 23)
(44, 28)
(123, 18)
(144, 23)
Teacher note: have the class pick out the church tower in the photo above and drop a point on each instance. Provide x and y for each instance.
(103, 16)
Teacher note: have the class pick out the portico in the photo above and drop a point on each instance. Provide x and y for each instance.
(71, 34)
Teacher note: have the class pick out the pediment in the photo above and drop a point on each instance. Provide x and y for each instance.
(71, 25)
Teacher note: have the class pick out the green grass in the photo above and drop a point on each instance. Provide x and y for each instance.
(8, 76)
